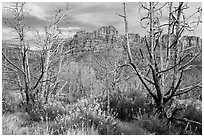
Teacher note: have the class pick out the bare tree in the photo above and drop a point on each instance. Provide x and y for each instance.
(16, 23)
(53, 36)
(165, 62)
(45, 81)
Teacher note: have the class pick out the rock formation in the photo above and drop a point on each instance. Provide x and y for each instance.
(108, 36)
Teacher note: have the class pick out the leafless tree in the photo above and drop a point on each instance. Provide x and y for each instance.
(52, 54)
(110, 72)
(165, 61)
(42, 84)
(16, 22)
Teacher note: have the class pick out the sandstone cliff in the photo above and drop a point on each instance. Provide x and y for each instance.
(108, 36)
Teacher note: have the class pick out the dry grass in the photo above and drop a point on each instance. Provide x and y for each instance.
(131, 128)
(14, 124)
(11, 125)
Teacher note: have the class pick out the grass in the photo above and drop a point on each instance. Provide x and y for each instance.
(11, 125)
(83, 119)
(78, 123)
(15, 124)
(86, 117)
(131, 128)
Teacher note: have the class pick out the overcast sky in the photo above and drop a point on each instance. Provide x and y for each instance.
(90, 16)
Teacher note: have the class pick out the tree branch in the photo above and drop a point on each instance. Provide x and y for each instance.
(141, 79)
(120, 15)
(156, 81)
(187, 89)
(187, 120)
(161, 7)
(13, 64)
(130, 55)
(57, 47)
(42, 72)
(175, 88)
(182, 67)
(190, 48)
(5, 79)
(9, 68)
(172, 67)
(58, 93)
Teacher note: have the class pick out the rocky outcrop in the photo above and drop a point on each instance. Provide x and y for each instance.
(193, 43)
(134, 38)
(96, 40)
(190, 41)
(108, 36)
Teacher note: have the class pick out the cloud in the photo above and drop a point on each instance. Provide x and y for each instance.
(36, 11)
(104, 14)
(8, 34)
(83, 25)
(33, 9)
(90, 16)
(69, 28)
(69, 31)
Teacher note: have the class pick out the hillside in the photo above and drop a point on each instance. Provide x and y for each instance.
(89, 73)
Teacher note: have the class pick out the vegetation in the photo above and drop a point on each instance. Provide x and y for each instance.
(105, 84)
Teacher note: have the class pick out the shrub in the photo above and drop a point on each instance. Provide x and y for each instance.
(10, 102)
(132, 128)
(86, 114)
(11, 125)
(82, 131)
(156, 126)
(127, 108)
(192, 113)
(44, 112)
(14, 124)
(8, 105)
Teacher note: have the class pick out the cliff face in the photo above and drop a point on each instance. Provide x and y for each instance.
(108, 36)
(96, 40)
(191, 41)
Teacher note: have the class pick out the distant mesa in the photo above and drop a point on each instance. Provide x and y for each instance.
(107, 36)
(105, 33)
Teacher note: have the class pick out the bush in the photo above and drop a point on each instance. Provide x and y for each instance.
(192, 113)
(132, 128)
(44, 112)
(11, 125)
(8, 106)
(127, 108)
(86, 114)
(10, 102)
(155, 126)
(15, 124)
(84, 117)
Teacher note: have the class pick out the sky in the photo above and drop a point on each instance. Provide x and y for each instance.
(88, 16)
